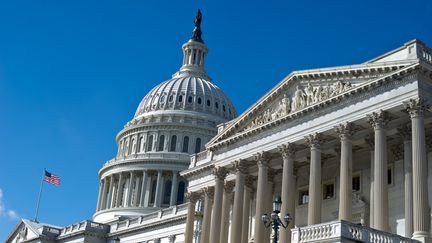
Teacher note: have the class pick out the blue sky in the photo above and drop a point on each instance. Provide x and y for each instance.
(73, 72)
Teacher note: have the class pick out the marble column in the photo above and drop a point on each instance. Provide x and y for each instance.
(421, 211)
(98, 205)
(143, 188)
(269, 202)
(114, 193)
(174, 189)
(208, 203)
(190, 220)
(220, 174)
(159, 186)
(135, 202)
(226, 208)
(104, 193)
(371, 142)
(260, 209)
(237, 214)
(247, 198)
(315, 196)
(405, 132)
(288, 191)
(110, 191)
(379, 120)
(345, 132)
(119, 191)
(171, 238)
(129, 189)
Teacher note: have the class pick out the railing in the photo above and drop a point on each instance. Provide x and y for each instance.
(338, 230)
(85, 226)
(151, 155)
(426, 54)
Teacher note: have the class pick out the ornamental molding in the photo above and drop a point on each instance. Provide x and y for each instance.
(355, 94)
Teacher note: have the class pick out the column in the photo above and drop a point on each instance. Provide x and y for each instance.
(287, 193)
(98, 205)
(263, 161)
(104, 192)
(379, 120)
(237, 214)
(371, 142)
(345, 132)
(220, 174)
(129, 189)
(136, 192)
(158, 196)
(193, 197)
(119, 191)
(269, 202)
(110, 191)
(315, 196)
(171, 238)
(114, 193)
(174, 189)
(421, 212)
(226, 207)
(143, 188)
(208, 203)
(246, 209)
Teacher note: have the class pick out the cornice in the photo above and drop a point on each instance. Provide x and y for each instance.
(225, 139)
(197, 170)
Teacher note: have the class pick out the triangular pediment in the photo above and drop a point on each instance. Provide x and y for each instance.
(304, 89)
(23, 232)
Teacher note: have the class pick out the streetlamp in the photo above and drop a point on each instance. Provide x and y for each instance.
(275, 220)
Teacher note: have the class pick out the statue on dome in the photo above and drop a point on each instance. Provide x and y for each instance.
(196, 35)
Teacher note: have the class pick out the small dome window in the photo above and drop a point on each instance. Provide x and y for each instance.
(190, 99)
(199, 101)
(217, 105)
(180, 99)
(229, 111)
(208, 102)
(171, 97)
(223, 108)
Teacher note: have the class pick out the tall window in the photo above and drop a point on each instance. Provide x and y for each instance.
(140, 142)
(149, 143)
(181, 192)
(153, 191)
(161, 143)
(126, 151)
(186, 144)
(198, 145)
(133, 146)
(303, 197)
(173, 143)
(167, 192)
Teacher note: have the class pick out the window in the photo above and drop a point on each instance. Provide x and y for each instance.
(133, 146)
(198, 145)
(161, 143)
(217, 105)
(199, 101)
(167, 192)
(126, 150)
(153, 191)
(180, 99)
(356, 183)
(390, 175)
(190, 99)
(181, 192)
(208, 102)
(171, 97)
(140, 142)
(328, 191)
(185, 144)
(223, 108)
(303, 197)
(150, 143)
(173, 143)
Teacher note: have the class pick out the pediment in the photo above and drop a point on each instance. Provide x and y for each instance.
(22, 232)
(302, 90)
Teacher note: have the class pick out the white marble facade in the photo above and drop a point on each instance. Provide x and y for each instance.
(347, 148)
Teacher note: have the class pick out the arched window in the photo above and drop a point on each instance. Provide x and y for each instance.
(120, 148)
(133, 146)
(180, 99)
(167, 192)
(153, 191)
(217, 105)
(149, 143)
(140, 143)
(198, 145)
(186, 144)
(223, 108)
(199, 100)
(181, 192)
(208, 103)
(190, 99)
(161, 143)
(126, 150)
(173, 143)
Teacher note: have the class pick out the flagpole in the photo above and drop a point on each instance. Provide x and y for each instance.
(39, 197)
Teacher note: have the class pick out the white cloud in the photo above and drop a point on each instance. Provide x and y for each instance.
(9, 213)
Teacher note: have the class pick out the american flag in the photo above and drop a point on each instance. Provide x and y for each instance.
(51, 178)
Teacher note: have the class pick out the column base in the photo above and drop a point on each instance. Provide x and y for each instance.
(423, 237)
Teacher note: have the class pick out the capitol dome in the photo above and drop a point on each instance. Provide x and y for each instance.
(173, 121)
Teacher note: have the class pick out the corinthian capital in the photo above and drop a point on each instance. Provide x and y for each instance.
(416, 107)
(287, 150)
(192, 197)
(220, 173)
(345, 131)
(314, 140)
(240, 166)
(229, 186)
(378, 119)
(262, 159)
(208, 192)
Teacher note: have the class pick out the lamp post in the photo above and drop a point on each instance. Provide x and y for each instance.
(275, 220)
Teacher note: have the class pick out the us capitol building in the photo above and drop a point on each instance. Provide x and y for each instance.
(347, 148)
